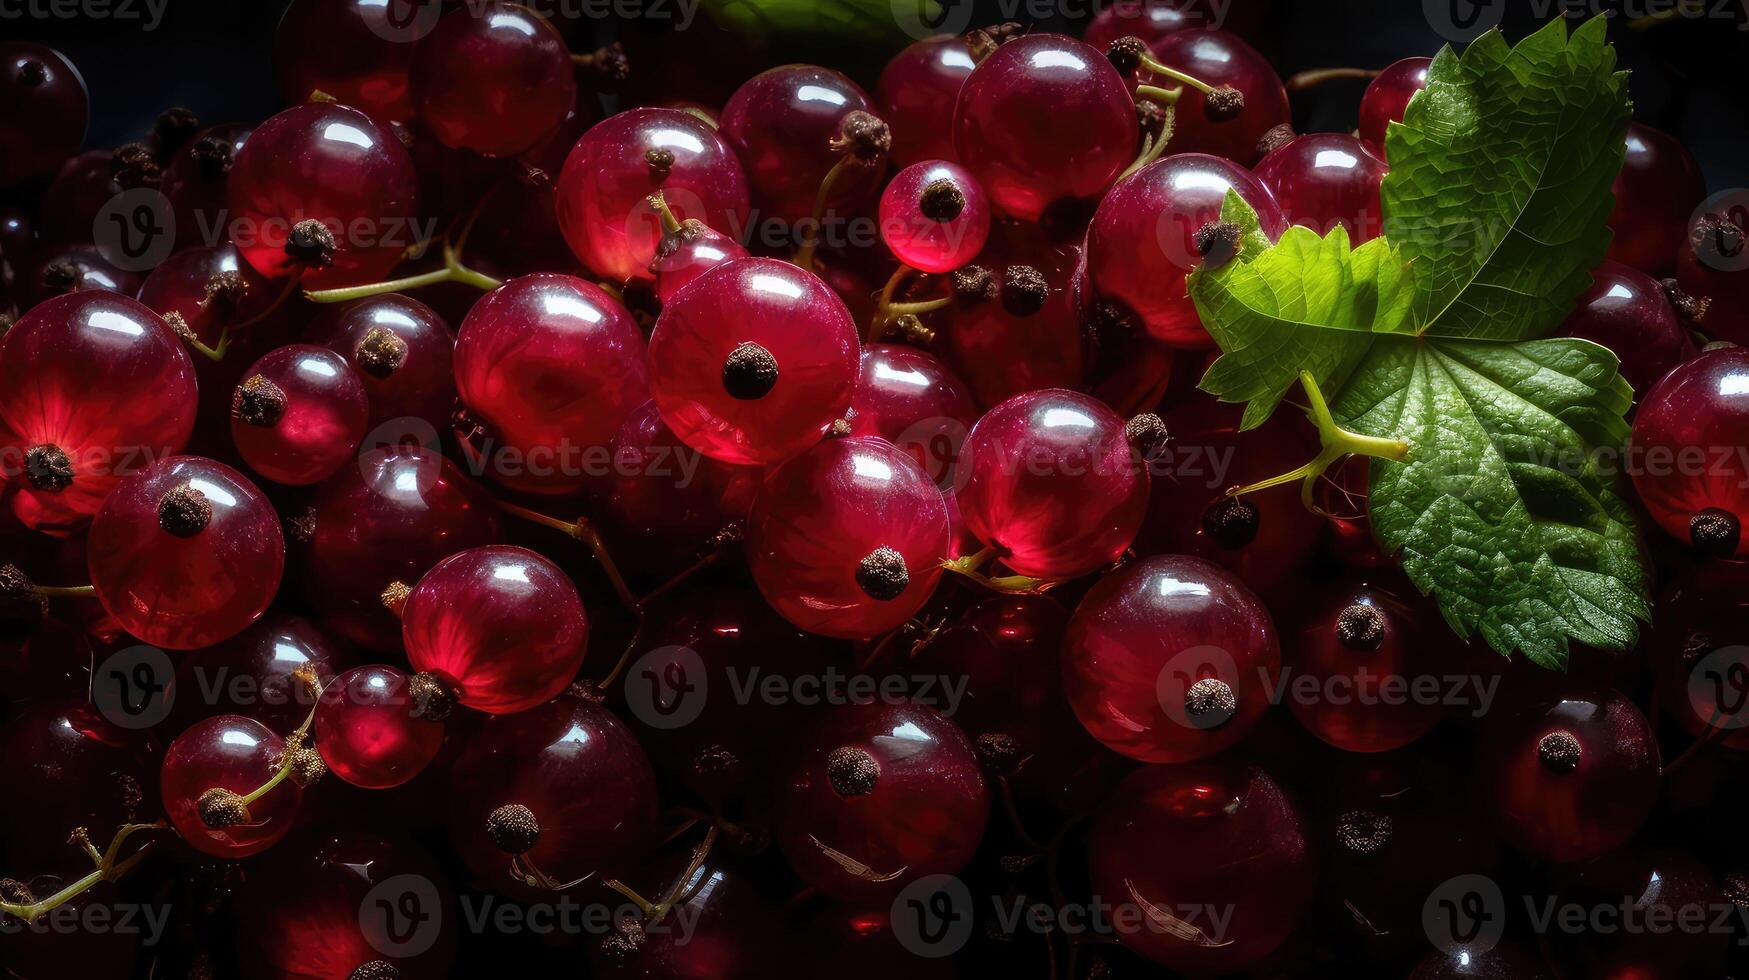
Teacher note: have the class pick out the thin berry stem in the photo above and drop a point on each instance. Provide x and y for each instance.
(1159, 68)
(452, 271)
(804, 256)
(968, 568)
(107, 868)
(1318, 76)
(670, 224)
(1337, 442)
(625, 657)
(711, 558)
(1157, 144)
(582, 530)
(920, 307)
(65, 591)
(644, 905)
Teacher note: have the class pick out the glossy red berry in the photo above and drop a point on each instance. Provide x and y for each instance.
(195, 183)
(1656, 193)
(1052, 484)
(1149, 20)
(71, 269)
(1170, 659)
(373, 730)
(298, 414)
(503, 627)
(847, 539)
(252, 673)
(665, 490)
(907, 397)
(1711, 268)
(357, 51)
(1220, 847)
(1322, 180)
(73, 767)
(934, 216)
(1223, 58)
(1628, 312)
(402, 351)
(492, 78)
(1387, 96)
(234, 754)
(399, 512)
(1645, 885)
(1683, 456)
(186, 553)
(551, 365)
(93, 386)
(1572, 774)
(690, 252)
(916, 94)
(1146, 239)
(43, 111)
(1005, 342)
(602, 196)
(753, 361)
(734, 934)
(1362, 669)
(1044, 119)
(333, 165)
(878, 796)
(562, 788)
(782, 124)
(1696, 646)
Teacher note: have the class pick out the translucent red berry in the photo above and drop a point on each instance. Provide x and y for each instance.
(237, 756)
(934, 216)
(1170, 659)
(916, 94)
(1044, 119)
(43, 111)
(1221, 58)
(373, 730)
(1656, 193)
(1387, 96)
(298, 414)
(753, 360)
(782, 124)
(1628, 312)
(1683, 458)
(402, 351)
(847, 539)
(687, 253)
(602, 196)
(501, 626)
(999, 337)
(1362, 669)
(254, 673)
(907, 397)
(186, 553)
(1052, 485)
(93, 386)
(357, 51)
(492, 78)
(1322, 180)
(665, 490)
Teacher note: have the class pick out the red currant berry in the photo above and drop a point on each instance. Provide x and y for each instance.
(1711, 266)
(402, 351)
(1697, 646)
(1149, 20)
(331, 165)
(372, 729)
(70, 767)
(1170, 659)
(1656, 192)
(688, 252)
(879, 796)
(1387, 96)
(753, 361)
(782, 124)
(1220, 58)
(195, 183)
(492, 78)
(552, 365)
(82, 186)
(847, 539)
(43, 111)
(1573, 774)
(665, 490)
(502, 626)
(934, 216)
(1044, 119)
(907, 397)
(90, 383)
(1154, 229)
(1218, 846)
(235, 756)
(916, 93)
(75, 268)
(602, 197)
(357, 51)
(298, 414)
(1696, 414)
(1658, 889)
(1003, 340)
(1627, 311)
(1322, 180)
(1371, 655)
(186, 553)
(253, 674)
(732, 933)
(401, 511)
(562, 790)
(1052, 484)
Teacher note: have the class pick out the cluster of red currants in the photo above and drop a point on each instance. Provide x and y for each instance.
(898, 387)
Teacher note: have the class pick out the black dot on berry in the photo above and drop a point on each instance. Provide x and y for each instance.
(513, 828)
(375, 970)
(1277, 137)
(1715, 532)
(213, 158)
(184, 511)
(47, 468)
(379, 352)
(1360, 627)
(852, 771)
(998, 751)
(749, 372)
(1559, 751)
(1210, 703)
(258, 402)
(1126, 54)
(221, 808)
(1232, 522)
(1146, 434)
(661, 161)
(1363, 832)
(32, 72)
(432, 699)
(1217, 242)
(973, 284)
(1224, 103)
(14, 584)
(59, 276)
(863, 136)
(1024, 290)
(311, 243)
(942, 200)
(882, 574)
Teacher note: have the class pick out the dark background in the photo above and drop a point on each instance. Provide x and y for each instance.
(215, 56)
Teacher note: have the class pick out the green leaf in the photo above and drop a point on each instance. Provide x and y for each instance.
(1307, 304)
(1499, 186)
(1503, 512)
